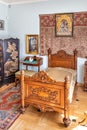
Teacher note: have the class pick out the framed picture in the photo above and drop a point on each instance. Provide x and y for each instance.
(32, 44)
(64, 24)
(1, 24)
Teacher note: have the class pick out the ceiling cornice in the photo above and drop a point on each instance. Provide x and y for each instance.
(10, 2)
(2, 2)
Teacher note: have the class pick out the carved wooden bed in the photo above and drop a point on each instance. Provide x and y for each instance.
(45, 93)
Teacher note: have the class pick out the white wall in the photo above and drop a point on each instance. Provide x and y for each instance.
(24, 19)
(4, 16)
(80, 69)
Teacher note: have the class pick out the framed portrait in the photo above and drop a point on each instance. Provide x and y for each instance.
(64, 24)
(32, 44)
(1, 24)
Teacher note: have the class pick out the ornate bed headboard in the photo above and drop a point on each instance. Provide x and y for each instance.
(62, 59)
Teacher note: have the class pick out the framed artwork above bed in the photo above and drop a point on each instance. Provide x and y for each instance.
(64, 24)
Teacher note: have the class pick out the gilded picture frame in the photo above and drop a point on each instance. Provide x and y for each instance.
(64, 24)
(32, 44)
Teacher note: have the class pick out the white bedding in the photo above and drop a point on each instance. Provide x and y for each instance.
(59, 74)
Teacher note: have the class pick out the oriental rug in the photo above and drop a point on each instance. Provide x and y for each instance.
(10, 103)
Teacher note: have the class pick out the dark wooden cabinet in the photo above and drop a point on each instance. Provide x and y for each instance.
(85, 76)
(9, 60)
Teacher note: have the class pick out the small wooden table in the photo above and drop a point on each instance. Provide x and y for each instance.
(37, 62)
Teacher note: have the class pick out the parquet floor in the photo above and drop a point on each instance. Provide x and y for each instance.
(34, 120)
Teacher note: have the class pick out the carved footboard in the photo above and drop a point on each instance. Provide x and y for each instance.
(46, 94)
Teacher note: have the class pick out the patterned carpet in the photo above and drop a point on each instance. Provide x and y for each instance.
(10, 103)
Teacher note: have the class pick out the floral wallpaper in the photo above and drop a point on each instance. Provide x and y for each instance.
(77, 41)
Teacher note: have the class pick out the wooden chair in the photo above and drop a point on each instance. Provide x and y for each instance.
(26, 72)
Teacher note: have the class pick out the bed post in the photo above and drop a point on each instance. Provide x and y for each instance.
(75, 59)
(49, 57)
(66, 118)
(22, 91)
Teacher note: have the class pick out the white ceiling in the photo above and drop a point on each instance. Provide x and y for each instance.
(19, 1)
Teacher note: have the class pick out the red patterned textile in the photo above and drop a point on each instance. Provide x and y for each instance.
(80, 19)
(77, 41)
(10, 104)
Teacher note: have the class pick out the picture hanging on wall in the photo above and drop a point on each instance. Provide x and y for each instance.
(64, 24)
(1, 24)
(32, 44)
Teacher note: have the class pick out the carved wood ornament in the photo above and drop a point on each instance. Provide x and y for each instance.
(43, 77)
(43, 93)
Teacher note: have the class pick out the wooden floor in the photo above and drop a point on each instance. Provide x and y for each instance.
(34, 120)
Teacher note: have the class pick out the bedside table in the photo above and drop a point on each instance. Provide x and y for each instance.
(37, 62)
(85, 76)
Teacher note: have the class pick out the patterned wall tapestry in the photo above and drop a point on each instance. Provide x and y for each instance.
(77, 41)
